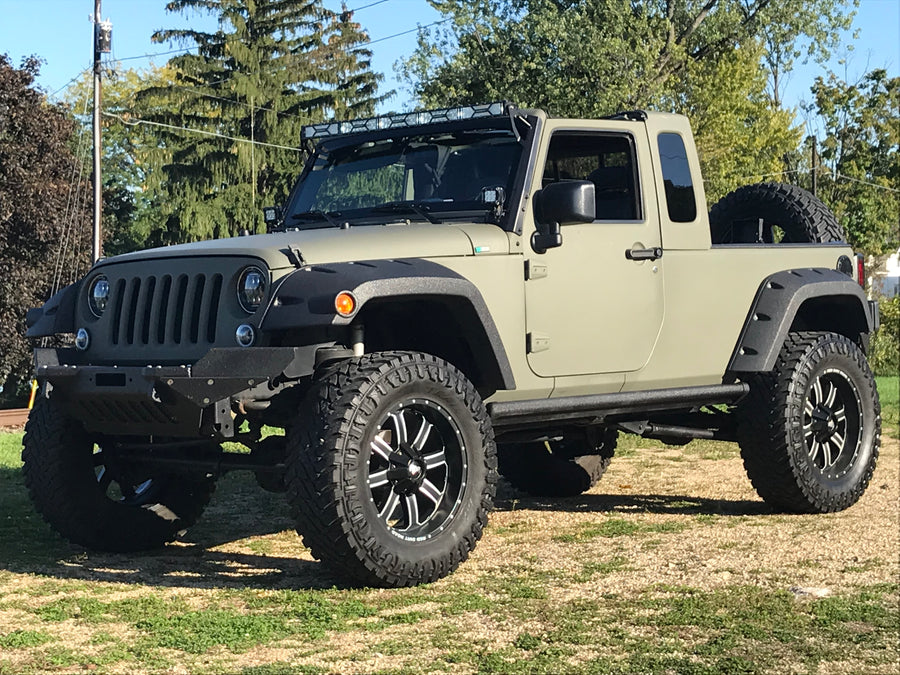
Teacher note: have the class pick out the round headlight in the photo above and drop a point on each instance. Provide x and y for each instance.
(251, 289)
(98, 295)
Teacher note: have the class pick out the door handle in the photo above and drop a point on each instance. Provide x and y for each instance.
(644, 253)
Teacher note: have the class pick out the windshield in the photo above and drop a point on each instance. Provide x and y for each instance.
(433, 177)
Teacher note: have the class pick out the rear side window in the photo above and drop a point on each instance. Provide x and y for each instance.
(677, 178)
(607, 160)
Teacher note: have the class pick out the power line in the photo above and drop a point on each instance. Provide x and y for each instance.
(137, 122)
(865, 182)
(763, 175)
(406, 32)
(371, 4)
(234, 100)
(69, 82)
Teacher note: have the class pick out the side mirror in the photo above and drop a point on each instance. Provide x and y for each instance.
(562, 203)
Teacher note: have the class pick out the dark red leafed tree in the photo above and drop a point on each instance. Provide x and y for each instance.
(44, 212)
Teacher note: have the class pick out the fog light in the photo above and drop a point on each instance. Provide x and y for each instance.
(82, 339)
(245, 335)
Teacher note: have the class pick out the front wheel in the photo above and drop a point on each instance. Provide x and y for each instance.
(93, 500)
(810, 431)
(391, 468)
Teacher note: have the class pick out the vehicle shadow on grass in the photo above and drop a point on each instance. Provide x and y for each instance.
(511, 499)
(227, 547)
(239, 518)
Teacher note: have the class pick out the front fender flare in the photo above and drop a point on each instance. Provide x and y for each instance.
(305, 300)
(57, 315)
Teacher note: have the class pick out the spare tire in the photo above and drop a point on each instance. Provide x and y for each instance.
(789, 214)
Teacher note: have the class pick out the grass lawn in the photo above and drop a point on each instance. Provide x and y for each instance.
(670, 565)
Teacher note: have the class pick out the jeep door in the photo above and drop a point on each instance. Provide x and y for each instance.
(591, 307)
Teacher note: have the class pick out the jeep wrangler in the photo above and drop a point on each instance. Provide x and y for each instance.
(447, 296)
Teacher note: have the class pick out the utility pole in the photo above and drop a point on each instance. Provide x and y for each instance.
(814, 164)
(102, 40)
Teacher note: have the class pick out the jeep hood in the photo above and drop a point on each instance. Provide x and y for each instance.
(318, 246)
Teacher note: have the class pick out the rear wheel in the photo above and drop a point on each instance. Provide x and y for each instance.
(391, 468)
(789, 214)
(93, 500)
(810, 431)
(563, 468)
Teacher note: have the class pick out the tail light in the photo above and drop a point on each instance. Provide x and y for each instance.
(861, 270)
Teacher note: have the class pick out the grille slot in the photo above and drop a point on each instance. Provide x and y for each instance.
(162, 310)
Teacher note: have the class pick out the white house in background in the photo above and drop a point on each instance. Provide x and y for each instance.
(886, 280)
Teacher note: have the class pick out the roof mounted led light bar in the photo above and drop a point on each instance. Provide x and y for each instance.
(400, 120)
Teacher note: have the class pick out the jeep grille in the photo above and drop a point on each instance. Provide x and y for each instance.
(158, 310)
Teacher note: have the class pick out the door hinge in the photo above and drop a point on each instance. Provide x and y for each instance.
(537, 342)
(535, 270)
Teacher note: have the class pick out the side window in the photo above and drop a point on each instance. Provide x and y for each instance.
(677, 179)
(607, 160)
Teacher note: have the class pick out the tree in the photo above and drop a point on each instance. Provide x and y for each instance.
(129, 209)
(595, 53)
(741, 137)
(860, 127)
(233, 114)
(45, 231)
(709, 59)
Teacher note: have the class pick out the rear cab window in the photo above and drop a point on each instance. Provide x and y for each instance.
(681, 202)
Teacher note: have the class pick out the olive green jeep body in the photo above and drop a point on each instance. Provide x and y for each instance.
(442, 284)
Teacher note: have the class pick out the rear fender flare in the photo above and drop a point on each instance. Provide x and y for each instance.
(820, 299)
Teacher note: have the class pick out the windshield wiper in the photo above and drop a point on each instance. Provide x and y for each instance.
(407, 207)
(327, 216)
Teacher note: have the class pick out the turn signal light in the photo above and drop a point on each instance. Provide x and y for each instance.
(345, 303)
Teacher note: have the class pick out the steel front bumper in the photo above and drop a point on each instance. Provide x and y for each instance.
(173, 401)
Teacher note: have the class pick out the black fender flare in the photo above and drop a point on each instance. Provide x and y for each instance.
(57, 315)
(304, 299)
(821, 299)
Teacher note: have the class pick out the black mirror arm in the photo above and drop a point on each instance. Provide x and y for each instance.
(547, 236)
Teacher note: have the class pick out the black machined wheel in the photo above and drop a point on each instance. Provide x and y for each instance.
(391, 468)
(92, 499)
(810, 431)
(417, 469)
(832, 423)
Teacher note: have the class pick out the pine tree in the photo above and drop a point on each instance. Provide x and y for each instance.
(270, 67)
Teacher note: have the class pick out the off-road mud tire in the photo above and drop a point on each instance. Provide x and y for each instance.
(778, 421)
(334, 489)
(60, 471)
(561, 470)
(802, 217)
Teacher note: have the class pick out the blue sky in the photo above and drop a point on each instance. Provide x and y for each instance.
(60, 33)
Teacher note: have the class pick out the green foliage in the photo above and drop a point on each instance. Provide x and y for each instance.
(44, 212)
(860, 150)
(587, 58)
(129, 210)
(196, 632)
(889, 393)
(19, 639)
(884, 352)
(738, 133)
(270, 67)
